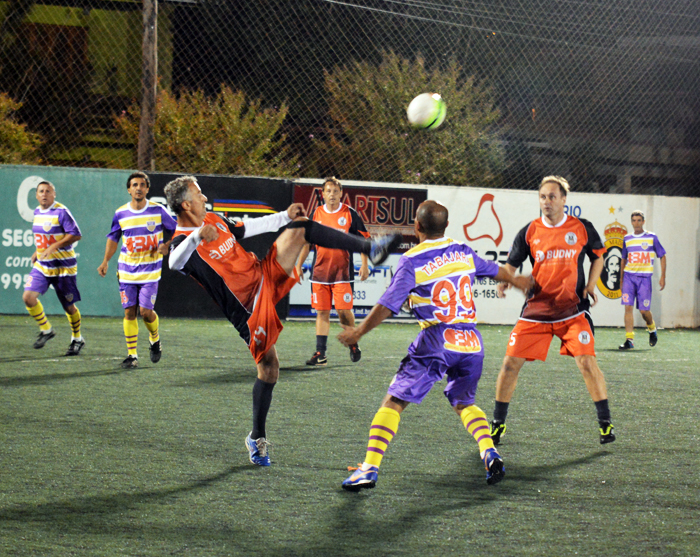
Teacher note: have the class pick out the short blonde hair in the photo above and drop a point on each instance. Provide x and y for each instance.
(563, 184)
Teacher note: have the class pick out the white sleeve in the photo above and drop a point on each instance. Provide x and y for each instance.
(181, 254)
(268, 223)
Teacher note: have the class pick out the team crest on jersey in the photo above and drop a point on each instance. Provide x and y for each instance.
(570, 238)
(69, 297)
(347, 297)
(221, 227)
(645, 245)
(539, 256)
(46, 226)
(609, 282)
(151, 225)
(342, 221)
(584, 337)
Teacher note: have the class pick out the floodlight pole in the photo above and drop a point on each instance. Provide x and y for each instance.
(149, 79)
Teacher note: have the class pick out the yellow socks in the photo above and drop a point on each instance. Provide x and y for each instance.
(630, 335)
(74, 321)
(477, 425)
(37, 312)
(652, 327)
(381, 432)
(131, 333)
(153, 329)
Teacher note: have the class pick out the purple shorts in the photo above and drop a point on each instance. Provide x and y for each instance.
(142, 294)
(438, 351)
(66, 286)
(636, 287)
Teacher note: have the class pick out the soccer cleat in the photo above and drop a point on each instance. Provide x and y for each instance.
(257, 449)
(155, 352)
(355, 353)
(76, 345)
(317, 359)
(498, 430)
(130, 362)
(361, 479)
(495, 470)
(629, 345)
(382, 246)
(43, 338)
(653, 339)
(607, 432)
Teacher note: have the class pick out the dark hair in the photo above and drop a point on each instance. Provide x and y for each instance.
(138, 174)
(332, 180)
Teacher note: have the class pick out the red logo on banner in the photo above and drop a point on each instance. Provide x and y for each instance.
(478, 227)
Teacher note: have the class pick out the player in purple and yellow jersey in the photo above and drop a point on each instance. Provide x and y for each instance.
(206, 247)
(145, 228)
(55, 235)
(639, 250)
(436, 277)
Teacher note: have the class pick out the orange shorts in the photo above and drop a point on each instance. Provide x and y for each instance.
(340, 292)
(264, 324)
(531, 340)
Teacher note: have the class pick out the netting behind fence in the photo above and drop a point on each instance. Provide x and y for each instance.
(605, 93)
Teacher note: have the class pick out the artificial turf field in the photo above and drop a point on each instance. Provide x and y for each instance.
(96, 460)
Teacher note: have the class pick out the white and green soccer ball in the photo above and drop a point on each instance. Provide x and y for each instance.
(427, 111)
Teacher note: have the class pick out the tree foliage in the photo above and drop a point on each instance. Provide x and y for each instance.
(17, 145)
(372, 139)
(225, 134)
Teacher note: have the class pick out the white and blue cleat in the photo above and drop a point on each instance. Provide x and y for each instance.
(361, 479)
(382, 246)
(495, 469)
(258, 450)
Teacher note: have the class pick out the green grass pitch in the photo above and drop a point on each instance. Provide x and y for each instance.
(99, 461)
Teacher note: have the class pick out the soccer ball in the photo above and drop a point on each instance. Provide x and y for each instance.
(427, 111)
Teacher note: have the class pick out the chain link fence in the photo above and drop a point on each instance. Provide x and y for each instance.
(605, 93)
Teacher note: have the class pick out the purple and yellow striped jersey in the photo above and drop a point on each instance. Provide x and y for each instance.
(141, 233)
(640, 250)
(436, 276)
(49, 227)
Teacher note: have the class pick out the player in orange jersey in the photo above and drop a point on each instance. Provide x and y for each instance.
(556, 245)
(205, 246)
(333, 271)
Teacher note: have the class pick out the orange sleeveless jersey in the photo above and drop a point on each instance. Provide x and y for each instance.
(557, 254)
(335, 265)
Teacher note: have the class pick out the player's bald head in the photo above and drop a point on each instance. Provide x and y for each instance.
(432, 217)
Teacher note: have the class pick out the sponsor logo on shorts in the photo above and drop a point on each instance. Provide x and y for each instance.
(69, 298)
(153, 299)
(256, 335)
(347, 297)
(584, 337)
(342, 221)
(571, 238)
(626, 298)
(646, 303)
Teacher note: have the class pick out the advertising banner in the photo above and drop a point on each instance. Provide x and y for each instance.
(384, 210)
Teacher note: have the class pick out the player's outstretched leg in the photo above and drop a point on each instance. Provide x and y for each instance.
(495, 470)
(383, 429)
(475, 422)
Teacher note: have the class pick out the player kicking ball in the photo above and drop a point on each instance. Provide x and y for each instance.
(205, 246)
(436, 278)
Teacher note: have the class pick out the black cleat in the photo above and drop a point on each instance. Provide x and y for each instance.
(653, 339)
(382, 246)
(43, 338)
(155, 352)
(629, 345)
(607, 432)
(495, 470)
(317, 359)
(76, 345)
(498, 429)
(130, 362)
(355, 353)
